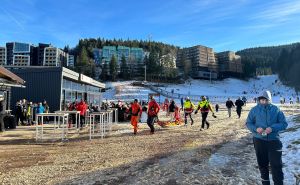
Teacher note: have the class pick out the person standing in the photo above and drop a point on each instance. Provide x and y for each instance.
(153, 109)
(47, 110)
(136, 111)
(204, 106)
(265, 121)
(2, 115)
(18, 112)
(172, 107)
(229, 105)
(181, 101)
(188, 110)
(29, 114)
(239, 104)
(82, 107)
(217, 107)
(244, 100)
(40, 110)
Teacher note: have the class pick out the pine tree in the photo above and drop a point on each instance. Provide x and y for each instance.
(113, 68)
(124, 68)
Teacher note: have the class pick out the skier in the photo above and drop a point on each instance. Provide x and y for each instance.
(229, 105)
(188, 110)
(204, 106)
(239, 104)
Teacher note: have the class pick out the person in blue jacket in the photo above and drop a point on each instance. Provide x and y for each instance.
(265, 121)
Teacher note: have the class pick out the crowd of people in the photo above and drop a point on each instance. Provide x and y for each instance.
(25, 111)
(264, 129)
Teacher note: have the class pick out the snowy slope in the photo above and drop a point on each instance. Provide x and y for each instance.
(218, 91)
(125, 91)
(234, 88)
(291, 151)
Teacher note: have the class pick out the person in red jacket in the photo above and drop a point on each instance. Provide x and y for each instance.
(82, 107)
(153, 109)
(136, 111)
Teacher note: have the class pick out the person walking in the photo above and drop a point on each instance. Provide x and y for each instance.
(172, 108)
(188, 110)
(239, 104)
(204, 106)
(217, 107)
(244, 99)
(229, 105)
(181, 102)
(265, 121)
(153, 110)
(136, 111)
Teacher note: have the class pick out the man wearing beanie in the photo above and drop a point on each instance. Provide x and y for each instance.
(265, 121)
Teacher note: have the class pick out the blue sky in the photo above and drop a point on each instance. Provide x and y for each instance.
(220, 24)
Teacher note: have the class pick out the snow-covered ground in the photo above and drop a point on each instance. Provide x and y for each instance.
(291, 150)
(235, 88)
(218, 90)
(125, 91)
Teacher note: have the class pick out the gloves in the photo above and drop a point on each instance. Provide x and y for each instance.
(196, 111)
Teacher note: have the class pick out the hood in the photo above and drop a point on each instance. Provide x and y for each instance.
(266, 94)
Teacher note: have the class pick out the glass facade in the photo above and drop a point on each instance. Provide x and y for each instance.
(108, 52)
(137, 54)
(74, 91)
(97, 56)
(21, 47)
(123, 50)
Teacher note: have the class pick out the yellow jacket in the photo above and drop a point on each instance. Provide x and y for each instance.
(205, 106)
(188, 106)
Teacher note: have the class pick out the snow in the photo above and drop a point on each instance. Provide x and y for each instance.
(125, 91)
(217, 91)
(291, 151)
(234, 88)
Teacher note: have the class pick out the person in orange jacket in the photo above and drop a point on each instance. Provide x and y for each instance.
(136, 111)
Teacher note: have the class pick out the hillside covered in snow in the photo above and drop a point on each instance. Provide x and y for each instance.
(217, 90)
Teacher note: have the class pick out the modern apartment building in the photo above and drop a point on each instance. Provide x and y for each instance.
(2, 56)
(107, 53)
(71, 61)
(38, 54)
(19, 54)
(97, 56)
(55, 57)
(230, 63)
(200, 60)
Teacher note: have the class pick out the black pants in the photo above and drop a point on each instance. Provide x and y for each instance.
(204, 121)
(185, 118)
(150, 122)
(269, 152)
(82, 120)
(239, 112)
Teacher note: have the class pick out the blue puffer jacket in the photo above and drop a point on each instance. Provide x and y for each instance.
(266, 116)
